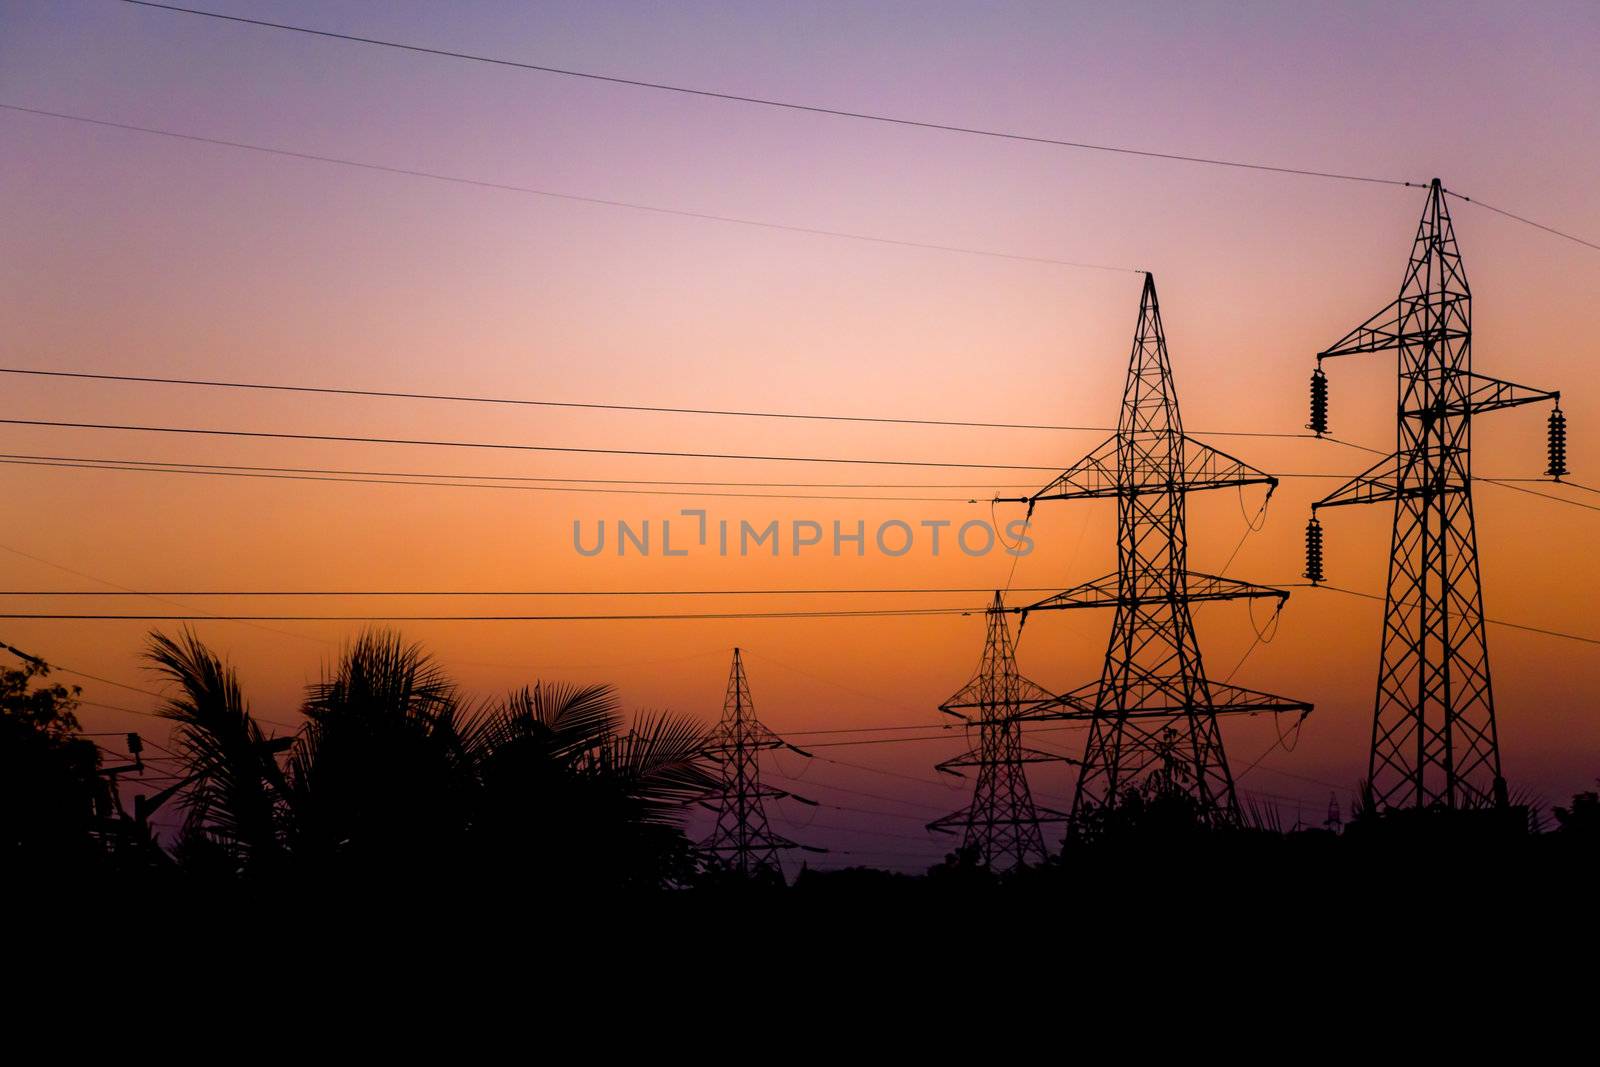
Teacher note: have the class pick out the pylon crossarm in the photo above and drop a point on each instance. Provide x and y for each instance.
(977, 695)
(768, 840)
(1215, 587)
(1379, 482)
(1230, 699)
(1099, 474)
(1074, 704)
(748, 745)
(1105, 592)
(1206, 467)
(1152, 700)
(1099, 593)
(1095, 475)
(1483, 393)
(1379, 333)
(1033, 755)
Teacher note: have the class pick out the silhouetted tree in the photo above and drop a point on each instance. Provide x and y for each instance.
(1582, 818)
(50, 792)
(1159, 810)
(569, 797)
(389, 776)
(378, 779)
(235, 799)
(963, 869)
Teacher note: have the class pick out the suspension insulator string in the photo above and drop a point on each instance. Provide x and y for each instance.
(1558, 445)
(1319, 402)
(1313, 551)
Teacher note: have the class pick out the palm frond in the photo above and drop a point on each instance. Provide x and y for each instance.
(237, 785)
(381, 678)
(663, 765)
(381, 768)
(563, 723)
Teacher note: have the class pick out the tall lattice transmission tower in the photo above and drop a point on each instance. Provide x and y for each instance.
(1153, 711)
(1434, 741)
(742, 840)
(1001, 825)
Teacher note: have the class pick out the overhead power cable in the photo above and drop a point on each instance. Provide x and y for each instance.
(663, 617)
(549, 194)
(1525, 221)
(587, 485)
(497, 445)
(863, 613)
(943, 127)
(82, 674)
(977, 590)
(212, 383)
(128, 461)
(481, 484)
(865, 116)
(1493, 622)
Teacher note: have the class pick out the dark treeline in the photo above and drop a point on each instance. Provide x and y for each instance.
(396, 775)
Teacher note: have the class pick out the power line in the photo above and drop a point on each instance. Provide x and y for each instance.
(387, 394)
(768, 102)
(349, 438)
(117, 585)
(1496, 622)
(570, 197)
(866, 729)
(490, 481)
(841, 614)
(84, 674)
(138, 462)
(1526, 221)
(482, 485)
(813, 784)
(883, 741)
(889, 774)
(1505, 483)
(978, 590)
(815, 109)
(862, 831)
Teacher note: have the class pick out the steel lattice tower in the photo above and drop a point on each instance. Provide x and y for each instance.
(1434, 742)
(741, 838)
(1153, 710)
(1001, 824)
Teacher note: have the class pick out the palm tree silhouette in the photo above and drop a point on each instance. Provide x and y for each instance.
(393, 775)
(569, 795)
(236, 795)
(378, 778)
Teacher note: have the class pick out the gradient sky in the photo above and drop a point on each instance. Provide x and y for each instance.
(127, 253)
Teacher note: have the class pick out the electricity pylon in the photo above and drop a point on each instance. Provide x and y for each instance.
(1153, 712)
(1434, 742)
(741, 838)
(1001, 824)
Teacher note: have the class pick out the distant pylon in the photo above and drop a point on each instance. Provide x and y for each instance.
(1153, 713)
(1434, 740)
(1001, 824)
(741, 838)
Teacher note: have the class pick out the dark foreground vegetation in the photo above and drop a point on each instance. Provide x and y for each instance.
(397, 779)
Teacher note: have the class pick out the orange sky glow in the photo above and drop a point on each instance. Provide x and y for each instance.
(131, 254)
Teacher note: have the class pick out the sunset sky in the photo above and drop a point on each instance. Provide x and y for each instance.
(123, 252)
